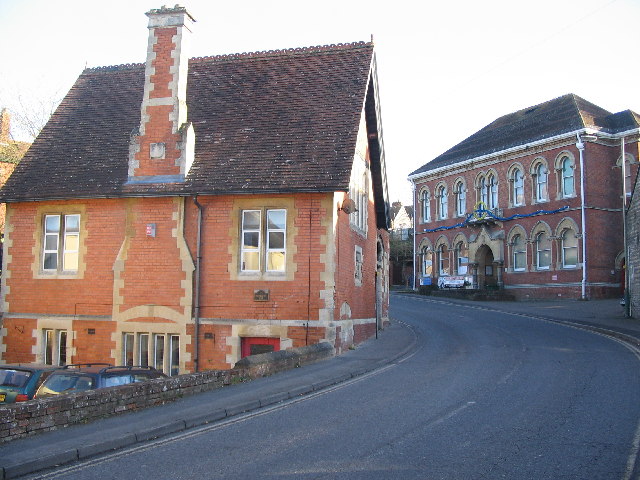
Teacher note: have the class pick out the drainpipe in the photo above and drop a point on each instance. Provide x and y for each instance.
(627, 302)
(415, 221)
(196, 299)
(580, 147)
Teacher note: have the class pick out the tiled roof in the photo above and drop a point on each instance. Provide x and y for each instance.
(555, 117)
(277, 121)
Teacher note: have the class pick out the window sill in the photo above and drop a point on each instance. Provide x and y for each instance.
(58, 275)
(262, 276)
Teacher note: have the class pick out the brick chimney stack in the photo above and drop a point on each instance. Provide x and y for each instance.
(5, 126)
(162, 149)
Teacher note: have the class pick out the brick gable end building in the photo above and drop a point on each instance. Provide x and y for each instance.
(187, 212)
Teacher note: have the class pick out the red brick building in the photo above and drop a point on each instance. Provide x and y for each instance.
(184, 213)
(532, 203)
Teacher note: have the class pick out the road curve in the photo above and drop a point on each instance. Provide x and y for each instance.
(484, 395)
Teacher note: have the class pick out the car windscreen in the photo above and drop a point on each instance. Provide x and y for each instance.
(59, 383)
(14, 378)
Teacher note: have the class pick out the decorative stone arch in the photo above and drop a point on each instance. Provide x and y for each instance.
(460, 255)
(511, 181)
(630, 178)
(459, 187)
(424, 195)
(558, 171)
(567, 224)
(425, 254)
(442, 256)
(540, 227)
(486, 249)
(477, 184)
(511, 243)
(440, 191)
(533, 171)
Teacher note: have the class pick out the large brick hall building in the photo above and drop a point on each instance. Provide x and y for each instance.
(184, 213)
(532, 203)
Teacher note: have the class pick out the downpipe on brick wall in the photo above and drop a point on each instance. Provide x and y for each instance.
(580, 147)
(196, 299)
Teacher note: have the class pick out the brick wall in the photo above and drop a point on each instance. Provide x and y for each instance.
(603, 219)
(132, 282)
(37, 416)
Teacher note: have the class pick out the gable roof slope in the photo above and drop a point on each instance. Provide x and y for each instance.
(554, 117)
(265, 122)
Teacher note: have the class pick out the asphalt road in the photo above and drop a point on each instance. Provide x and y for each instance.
(485, 395)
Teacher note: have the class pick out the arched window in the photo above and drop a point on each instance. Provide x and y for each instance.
(443, 260)
(484, 191)
(543, 251)
(566, 170)
(443, 204)
(462, 258)
(426, 206)
(427, 263)
(519, 253)
(569, 249)
(518, 187)
(541, 183)
(461, 199)
(492, 186)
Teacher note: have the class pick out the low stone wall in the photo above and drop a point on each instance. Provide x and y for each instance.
(20, 420)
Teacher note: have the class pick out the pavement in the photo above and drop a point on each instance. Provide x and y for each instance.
(79, 442)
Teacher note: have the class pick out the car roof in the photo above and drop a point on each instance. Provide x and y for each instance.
(29, 366)
(103, 368)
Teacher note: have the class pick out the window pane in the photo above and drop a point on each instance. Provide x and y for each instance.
(51, 242)
(127, 349)
(50, 261)
(544, 243)
(250, 261)
(158, 352)
(143, 349)
(276, 240)
(251, 219)
(545, 259)
(519, 259)
(52, 223)
(70, 261)
(47, 338)
(175, 355)
(275, 261)
(72, 223)
(251, 240)
(62, 347)
(72, 242)
(276, 219)
(571, 257)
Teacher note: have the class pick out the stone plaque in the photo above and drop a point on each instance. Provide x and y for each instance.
(261, 295)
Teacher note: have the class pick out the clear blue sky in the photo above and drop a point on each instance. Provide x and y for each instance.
(446, 69)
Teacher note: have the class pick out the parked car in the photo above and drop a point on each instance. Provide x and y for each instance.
(19, 381)
(90, 376)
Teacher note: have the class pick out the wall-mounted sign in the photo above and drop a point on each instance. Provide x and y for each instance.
(261, 295)
(151, 229)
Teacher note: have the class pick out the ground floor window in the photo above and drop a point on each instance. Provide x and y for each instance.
(159, 350)
(54, 347)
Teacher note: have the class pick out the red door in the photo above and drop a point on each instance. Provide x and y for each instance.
(256, 345)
